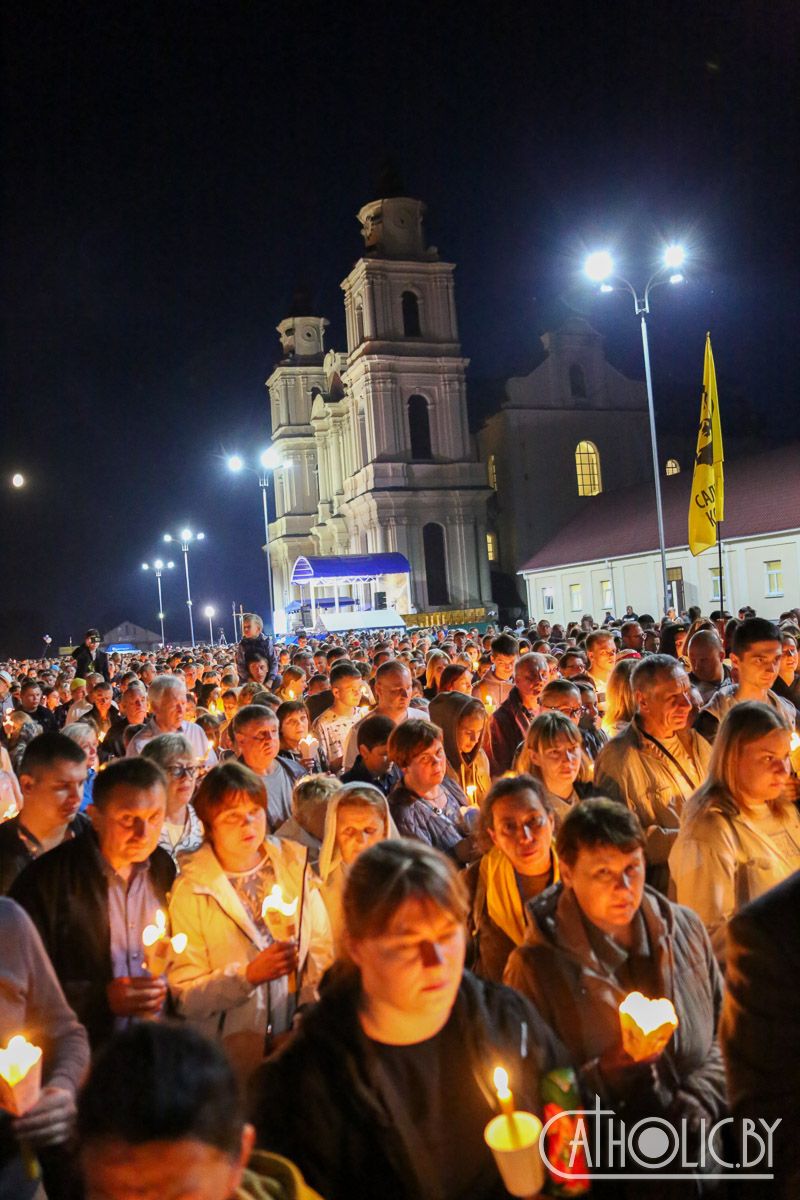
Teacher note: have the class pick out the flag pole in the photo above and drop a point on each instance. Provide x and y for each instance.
(721, 581)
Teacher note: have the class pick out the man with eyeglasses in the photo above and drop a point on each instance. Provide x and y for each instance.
(756, 655)
(256, 738)
(88, 657)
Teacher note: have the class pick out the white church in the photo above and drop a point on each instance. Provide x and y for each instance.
(379, 468)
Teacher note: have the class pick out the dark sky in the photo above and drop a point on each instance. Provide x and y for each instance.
(173, 170)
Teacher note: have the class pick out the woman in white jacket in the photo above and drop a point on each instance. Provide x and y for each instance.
(740, 831)
(233, 981)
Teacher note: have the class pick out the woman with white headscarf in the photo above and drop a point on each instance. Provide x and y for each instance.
(357, 817)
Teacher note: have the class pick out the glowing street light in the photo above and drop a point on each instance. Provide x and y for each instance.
(158, 566)
(599, 267)
(17, 480)
(186, 536)
(210, 612)
(269, 461)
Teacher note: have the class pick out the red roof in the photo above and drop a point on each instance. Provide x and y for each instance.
(762, 495)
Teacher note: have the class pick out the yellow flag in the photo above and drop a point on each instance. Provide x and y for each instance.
(707, 505)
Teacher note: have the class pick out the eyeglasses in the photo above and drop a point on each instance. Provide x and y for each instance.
(511, 829)
(178, 772)
(572, 712)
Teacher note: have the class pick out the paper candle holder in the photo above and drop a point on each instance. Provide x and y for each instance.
(646, 1025)
(280, 915)
(158, 943)
(20, 1076)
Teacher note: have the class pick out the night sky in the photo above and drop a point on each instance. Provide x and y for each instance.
(173, 171)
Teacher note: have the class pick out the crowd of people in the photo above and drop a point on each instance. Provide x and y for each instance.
(276, 911)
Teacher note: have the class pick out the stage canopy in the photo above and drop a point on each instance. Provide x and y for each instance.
(348, 568)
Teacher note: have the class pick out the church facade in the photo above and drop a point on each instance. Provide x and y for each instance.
(375, 442)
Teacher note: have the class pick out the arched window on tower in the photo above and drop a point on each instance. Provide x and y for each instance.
(673, 466)
(411, 325)
(359, 322)
(577, 382)
(587, 468)
(435, 563)
(420, 428)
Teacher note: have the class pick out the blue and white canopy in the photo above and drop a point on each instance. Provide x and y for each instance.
(348, 568)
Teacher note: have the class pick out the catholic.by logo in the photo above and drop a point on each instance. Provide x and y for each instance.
(589, 1145)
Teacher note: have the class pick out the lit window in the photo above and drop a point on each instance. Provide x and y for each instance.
(548, 600)
(492, 469)
(715, 588)
(575, 597)
(774, 577)
(491, 546)
(608, 594)
(587, 467)
(673, 466)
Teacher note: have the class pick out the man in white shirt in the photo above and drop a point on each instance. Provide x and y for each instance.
(393, 689)
(334, 724)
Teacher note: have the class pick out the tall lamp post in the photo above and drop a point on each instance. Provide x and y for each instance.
(158, 566)
(599, 266)
(268, 462)
(186, 536)
(210, 612)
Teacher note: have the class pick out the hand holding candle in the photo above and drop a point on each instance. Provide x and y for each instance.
(280, 915)
(20, 1088)
(646, 1025)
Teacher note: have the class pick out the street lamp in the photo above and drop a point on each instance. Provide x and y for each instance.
(210, 612)
(158, 566)
(269, 461)
(185, 537)
(17, 480)
(599, 266)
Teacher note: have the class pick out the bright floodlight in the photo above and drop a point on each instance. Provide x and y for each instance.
(200, 537)
(158, 564)
(167, 537)
(18, 480)
(186, 535)
(599, 266)
(270, 459)
(678, 277)
(606, 287)
(209, 611)
(170, 565)
(235, 462)
(674, 256)
(145, 566)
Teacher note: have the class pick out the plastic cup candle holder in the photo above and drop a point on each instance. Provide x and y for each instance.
(646, 1025)
(158, 943)
(280, 915)
(513, 1139)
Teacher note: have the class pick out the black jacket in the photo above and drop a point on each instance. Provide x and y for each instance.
(760, 1027)
(66, 895)
(507, 729)
(320, 1104)
(246, 651)
(14, 853)
(85, 664)
(359, 773)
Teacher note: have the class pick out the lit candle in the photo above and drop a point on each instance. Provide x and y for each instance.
(488, 703)
(794, 752)
(290, 693)
(281, 919)
(513, 1139)
(646, 1025)
(157, 944)
(308, 746)
(20, 1088)
(472, 792)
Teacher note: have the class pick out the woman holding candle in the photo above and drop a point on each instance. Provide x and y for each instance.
(740, 831)
(517, 822)
(297, 743)
(233, 981)
(426, 804)
(387, 1087)
(599, 935)
(463, 721)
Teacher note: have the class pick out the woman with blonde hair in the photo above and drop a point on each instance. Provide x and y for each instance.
(436, 662)
(740, 831)
(620, 702)
(553, 754)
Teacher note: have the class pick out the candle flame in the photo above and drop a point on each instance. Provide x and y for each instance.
(17, 1059)
(153, 933)
(794, 741)
(649, 1015)
(180, 942)
(501, 1083)
(275, 902)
